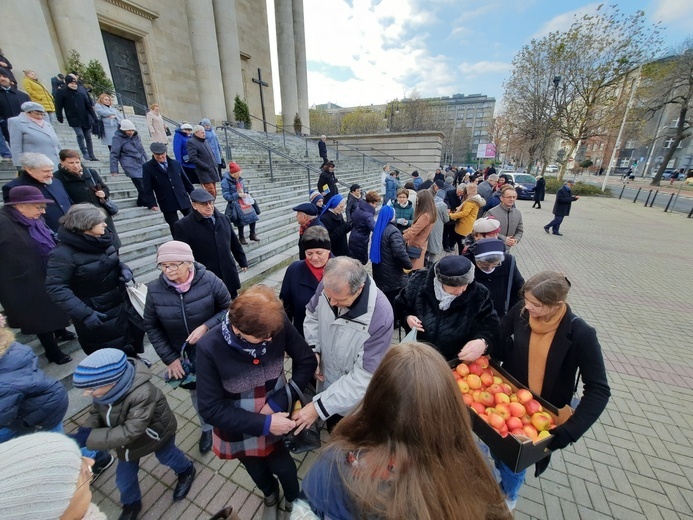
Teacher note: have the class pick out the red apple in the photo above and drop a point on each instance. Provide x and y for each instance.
(517, 410)
(486, 398)
(482, 362)
(496, 421)
(475, 395)
(524, 395)
(518, 432)
(462, 369)
(533, 406)
(479, 408)
(467, 398)
(530, 431)
(514, 423)
(541, 421)
(475, 369)
(526, 419)
(488, 371)
(513, 398)
(507, 389)
(484, 417)
(463, 385)
(474, 381)
(495, 388)
(503, 410)
(486, 379)
(502, 398)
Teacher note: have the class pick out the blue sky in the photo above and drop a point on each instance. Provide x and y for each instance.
(363, 52)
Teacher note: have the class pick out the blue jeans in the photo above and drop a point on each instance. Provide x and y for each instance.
(6, 434)
(84, 134)
(126, 472)
(511, 482)
(555, 223)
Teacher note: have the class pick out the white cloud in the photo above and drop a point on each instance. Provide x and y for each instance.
(483, 67)
(676, 13)
(563, 21)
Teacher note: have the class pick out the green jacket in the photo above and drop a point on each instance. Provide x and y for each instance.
(137, 425)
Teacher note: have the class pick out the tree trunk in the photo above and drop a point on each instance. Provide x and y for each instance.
(561, 172)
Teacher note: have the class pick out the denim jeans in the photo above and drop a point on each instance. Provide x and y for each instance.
(126, 472)
(511, 482)
(84, 134)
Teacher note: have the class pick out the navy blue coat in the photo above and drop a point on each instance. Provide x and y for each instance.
(29, 400)
(389, 274)
(298, 287)
(171, 187)
(564, 199)
(362, 224)
(212, 245)
(78, 109)
(54, 191)
(11, 101)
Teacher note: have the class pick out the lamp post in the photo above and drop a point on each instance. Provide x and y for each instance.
(556, 81)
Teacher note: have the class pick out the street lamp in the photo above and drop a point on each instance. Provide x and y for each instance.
(556, 81)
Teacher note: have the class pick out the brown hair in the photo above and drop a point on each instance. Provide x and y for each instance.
(154, 105)
(103, 95)
(257, 312)
(425, 204)
(549, 287)
(403, 191)
(66, 152)
(373, 196)
(410, 185)
(507, 187)
(412, 419)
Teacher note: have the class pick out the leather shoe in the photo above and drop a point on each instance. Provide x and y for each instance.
(184, 484)
(558, 234)
(60, 359)
(205, 443)
(243, 241)
(254, 238)
(546, 228)
(65, 335)
(130, 511)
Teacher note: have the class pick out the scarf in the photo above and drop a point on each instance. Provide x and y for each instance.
(121, 388)
(253, 350)
(240, 188)
(539, 345)
(182, 287)
(387, 213)
(444, 299)
(315, 271)
(39, 232)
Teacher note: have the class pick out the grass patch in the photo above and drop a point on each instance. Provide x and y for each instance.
(579, 188)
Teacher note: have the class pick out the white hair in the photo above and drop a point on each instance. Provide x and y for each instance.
(33, 160)
(197, 128)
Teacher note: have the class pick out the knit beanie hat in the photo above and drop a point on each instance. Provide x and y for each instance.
(315, 196)
(454, 270)
(39, 476)
(233, 167)
(126, 124)
(103, 367)
(174, 251)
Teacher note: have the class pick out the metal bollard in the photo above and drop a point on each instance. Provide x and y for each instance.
(648, 198)
(669, 203)
(636, 195)
(622, 190)
(653, 198)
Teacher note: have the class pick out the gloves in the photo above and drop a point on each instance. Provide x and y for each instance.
(125, 274)
(95, 320)
(81, 436)
(560, 438)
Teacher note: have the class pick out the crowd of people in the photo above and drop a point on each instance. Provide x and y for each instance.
(389, 454)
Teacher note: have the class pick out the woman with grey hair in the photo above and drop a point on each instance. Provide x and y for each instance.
(87, 280)
(449, 309)
(30, 132)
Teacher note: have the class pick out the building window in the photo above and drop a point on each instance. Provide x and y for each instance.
(669, 142)
(630, 144)
(468, 125)
(601, 147)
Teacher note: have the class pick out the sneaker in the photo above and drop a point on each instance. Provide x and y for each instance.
(184, 484)
(102, 462)
(130, 511)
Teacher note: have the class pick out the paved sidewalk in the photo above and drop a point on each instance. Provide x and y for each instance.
(630, 270)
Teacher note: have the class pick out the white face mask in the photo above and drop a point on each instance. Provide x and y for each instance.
(485, 271)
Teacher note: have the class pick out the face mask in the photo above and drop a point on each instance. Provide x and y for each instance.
(485, 271)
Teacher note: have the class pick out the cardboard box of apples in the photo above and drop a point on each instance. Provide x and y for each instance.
(513, 422)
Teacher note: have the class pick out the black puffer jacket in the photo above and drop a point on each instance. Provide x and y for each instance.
(338, 229)
(470, 316)
(362, 224)
(388, 274)
(170, 316)
(83, 278)
(137, 425)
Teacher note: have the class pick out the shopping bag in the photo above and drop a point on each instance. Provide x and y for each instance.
(137, 292)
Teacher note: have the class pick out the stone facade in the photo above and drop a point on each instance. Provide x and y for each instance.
(194, 56)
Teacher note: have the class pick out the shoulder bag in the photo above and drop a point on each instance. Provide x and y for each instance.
(414, 252)
(107, 204)
(309, 438)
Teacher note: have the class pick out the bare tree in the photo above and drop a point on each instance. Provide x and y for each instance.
(362, 121)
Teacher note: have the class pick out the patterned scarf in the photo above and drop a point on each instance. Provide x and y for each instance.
(254, 350)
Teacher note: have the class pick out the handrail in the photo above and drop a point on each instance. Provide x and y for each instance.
(131, 102)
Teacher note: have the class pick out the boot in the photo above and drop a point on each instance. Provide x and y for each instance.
(271, 507)
(205, 443)
(254, 237)
(243, 241)
(130, 511)
(184, 484)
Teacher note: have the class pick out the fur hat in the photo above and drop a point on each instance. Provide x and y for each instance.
(174, 251)
(454, 270)
(39, 476)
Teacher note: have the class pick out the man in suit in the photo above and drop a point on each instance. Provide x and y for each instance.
(561, 208)
(210, 235)
(37, 171)
(166, 186)
(322, 148)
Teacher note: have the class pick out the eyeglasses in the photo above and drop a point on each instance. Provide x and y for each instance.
(208, 203)
(40, 206)
(169, 267)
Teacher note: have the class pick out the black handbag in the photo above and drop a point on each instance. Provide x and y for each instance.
(232, 212)
(222, 164)
(309, 438)
(110, 206)
(168, 131)
(256, 207)
(414, 252)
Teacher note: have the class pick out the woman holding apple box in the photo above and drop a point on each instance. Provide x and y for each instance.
(544, 345)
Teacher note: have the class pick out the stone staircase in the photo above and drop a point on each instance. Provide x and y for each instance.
(141, 231)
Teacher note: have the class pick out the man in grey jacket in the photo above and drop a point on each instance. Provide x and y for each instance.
(509, 217)
(349, 324)
(486, 187)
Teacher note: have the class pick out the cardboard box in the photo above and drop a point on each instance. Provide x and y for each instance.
(517, 454)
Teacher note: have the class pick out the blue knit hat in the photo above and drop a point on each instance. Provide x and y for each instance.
(101, 368)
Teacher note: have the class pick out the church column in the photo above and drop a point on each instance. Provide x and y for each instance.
(286, 60)
(229, 50)
(205, 50)
(77, 27)
(301, 66)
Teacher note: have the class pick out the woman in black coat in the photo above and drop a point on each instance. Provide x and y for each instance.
(362, 223)
(183, 303)
(26, 242)
(539, 192)
(87, 279)
(84, 185)
(303, 276)
(336, 226)
(542, 331)
(389, 255)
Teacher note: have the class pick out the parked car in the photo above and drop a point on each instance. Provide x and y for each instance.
(666, 175)
(524, 184)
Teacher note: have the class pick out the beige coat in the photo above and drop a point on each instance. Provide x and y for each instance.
(157, 128)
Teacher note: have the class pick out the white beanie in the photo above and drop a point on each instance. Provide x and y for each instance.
(39, 476)
(126, 124)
